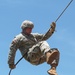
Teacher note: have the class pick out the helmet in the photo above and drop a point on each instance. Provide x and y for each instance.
(27, 23)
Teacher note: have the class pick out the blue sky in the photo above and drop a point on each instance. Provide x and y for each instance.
(41, 13)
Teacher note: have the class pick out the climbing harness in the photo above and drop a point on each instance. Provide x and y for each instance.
(42, 38)
(63, 11)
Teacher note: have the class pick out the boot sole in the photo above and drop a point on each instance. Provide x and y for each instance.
(52, 57)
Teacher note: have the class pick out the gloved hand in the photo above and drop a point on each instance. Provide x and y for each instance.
(53, 25)
(12, 66)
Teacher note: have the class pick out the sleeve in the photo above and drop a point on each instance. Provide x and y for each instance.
(13, 48)
(47, 35)
(38, 36)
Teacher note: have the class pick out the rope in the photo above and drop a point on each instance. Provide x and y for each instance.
(63, 10)
(17, 63)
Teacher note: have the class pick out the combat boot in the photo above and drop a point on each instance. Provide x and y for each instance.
(52, 71)
(50, 56)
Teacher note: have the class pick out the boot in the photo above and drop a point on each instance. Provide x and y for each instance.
(50, 56)
(52, 71)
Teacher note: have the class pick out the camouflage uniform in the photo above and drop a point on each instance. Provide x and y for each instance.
(33, 46)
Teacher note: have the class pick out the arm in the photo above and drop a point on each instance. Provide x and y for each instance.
(12, 53)
(49, 32)
(42, 37)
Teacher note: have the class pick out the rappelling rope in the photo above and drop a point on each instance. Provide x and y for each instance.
(63, 10)
(55, 22)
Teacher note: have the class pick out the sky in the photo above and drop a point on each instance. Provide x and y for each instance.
(42, 13)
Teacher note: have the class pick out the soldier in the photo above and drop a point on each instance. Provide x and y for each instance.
(35, 47)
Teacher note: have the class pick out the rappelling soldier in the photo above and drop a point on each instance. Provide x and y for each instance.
(35, 47)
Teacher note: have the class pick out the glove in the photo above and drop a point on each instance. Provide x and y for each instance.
(53, 25)
(12, 66)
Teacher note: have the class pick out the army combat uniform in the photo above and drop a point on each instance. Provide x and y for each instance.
(31, 46)
(34, 46)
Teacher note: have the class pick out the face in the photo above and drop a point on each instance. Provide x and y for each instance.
(28, 30)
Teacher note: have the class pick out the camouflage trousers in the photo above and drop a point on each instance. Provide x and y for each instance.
(36, 54)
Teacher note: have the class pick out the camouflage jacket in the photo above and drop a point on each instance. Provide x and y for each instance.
(24, 42)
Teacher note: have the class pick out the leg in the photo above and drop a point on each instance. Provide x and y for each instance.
(51, 55)
(36, 54)
(52, 58)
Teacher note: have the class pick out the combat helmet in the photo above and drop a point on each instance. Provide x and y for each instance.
(26, 24)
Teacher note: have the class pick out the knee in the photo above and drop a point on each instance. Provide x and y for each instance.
(44, 43)
(44, 47)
